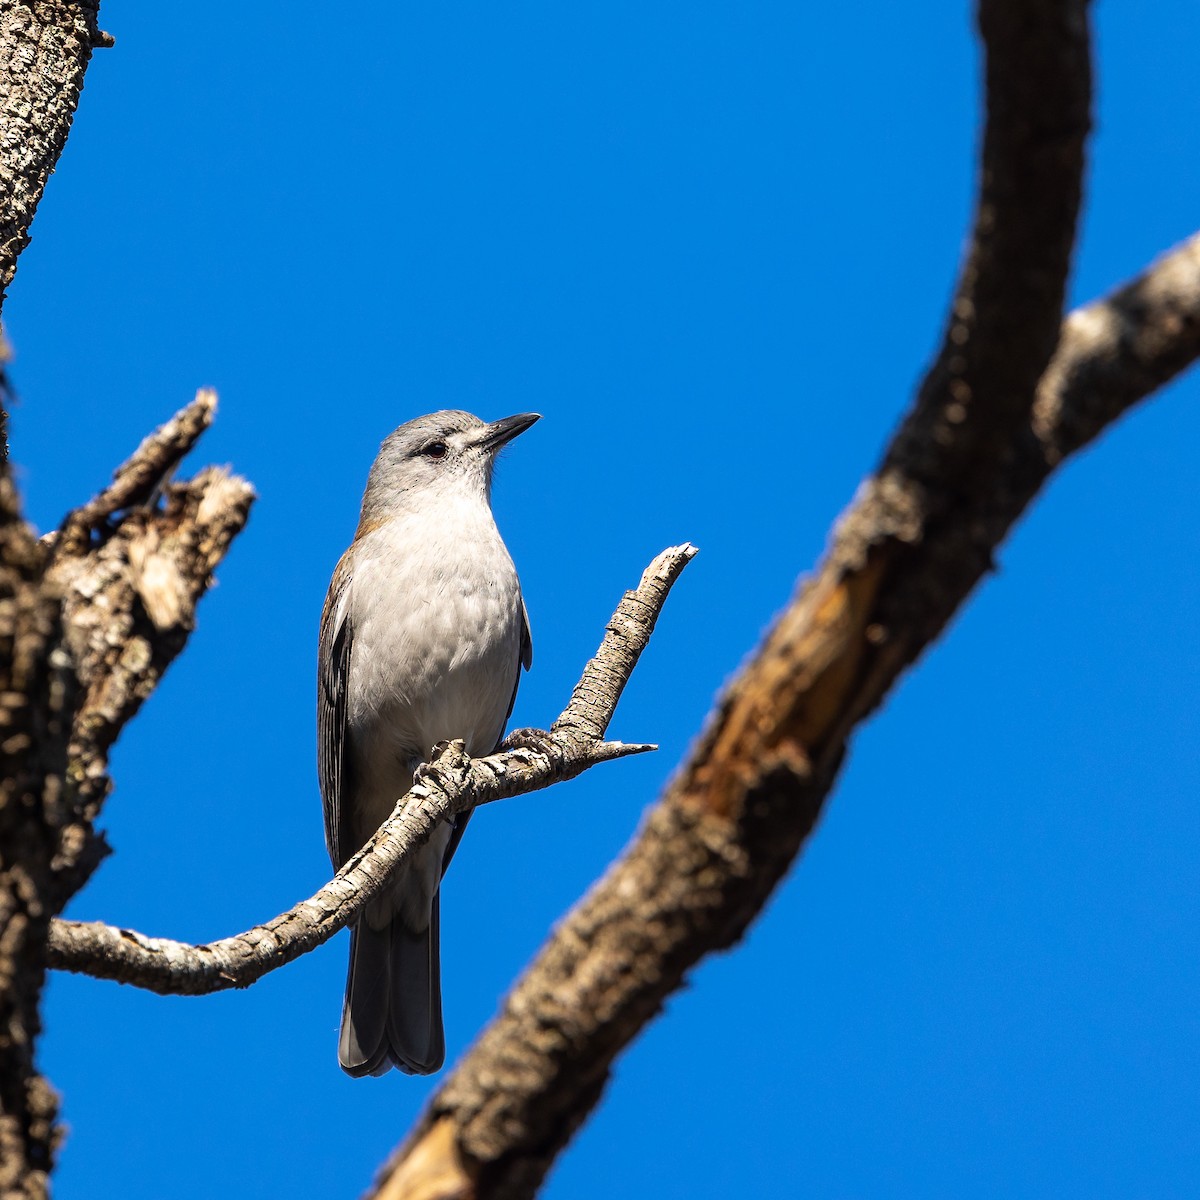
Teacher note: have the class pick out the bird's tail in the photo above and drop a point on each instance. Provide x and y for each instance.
(393, 1008)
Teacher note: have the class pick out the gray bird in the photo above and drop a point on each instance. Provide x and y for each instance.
(423, 638)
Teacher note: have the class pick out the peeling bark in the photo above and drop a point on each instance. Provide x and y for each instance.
(90, 618)
(731, 823)
(908, 551)
(36, 698)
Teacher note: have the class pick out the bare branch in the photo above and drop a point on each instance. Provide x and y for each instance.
(35, 707)
(1004, 320)
(445, 787)
(128, 596)
(44, 51)
(1119, 350)
(732, 822)
(7, 395)
(139, 479)
(905, 555)
(449, 785)
(88, 623)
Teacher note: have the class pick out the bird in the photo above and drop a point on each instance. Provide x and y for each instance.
(422, 640)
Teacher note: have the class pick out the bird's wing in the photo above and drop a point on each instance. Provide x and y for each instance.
(333, 670)
(526, 639)
(524, 659)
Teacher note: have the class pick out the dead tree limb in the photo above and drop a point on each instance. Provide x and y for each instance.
(90, 618)
(449, 785)
(45, 48)
(726, 831)
(918, 537)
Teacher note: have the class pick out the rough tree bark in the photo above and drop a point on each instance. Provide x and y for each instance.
(452, 783)
(90, 618)
(37, 694)
(45, 47)
(993, 418)
(731, 823)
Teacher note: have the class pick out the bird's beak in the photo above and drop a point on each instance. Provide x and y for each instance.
(498, 433)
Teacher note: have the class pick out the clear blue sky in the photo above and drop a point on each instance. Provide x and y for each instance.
(713, 244)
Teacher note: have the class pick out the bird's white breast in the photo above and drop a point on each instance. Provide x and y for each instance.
(436, 616)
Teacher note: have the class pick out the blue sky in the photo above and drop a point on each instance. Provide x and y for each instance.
(713, 244)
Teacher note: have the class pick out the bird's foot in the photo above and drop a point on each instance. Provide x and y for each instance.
(537, 740)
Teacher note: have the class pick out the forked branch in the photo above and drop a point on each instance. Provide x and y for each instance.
(90, 618)
(917, 539)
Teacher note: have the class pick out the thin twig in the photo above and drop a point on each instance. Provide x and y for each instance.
(143, 474)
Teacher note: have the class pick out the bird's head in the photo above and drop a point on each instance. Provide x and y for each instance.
(444, 454)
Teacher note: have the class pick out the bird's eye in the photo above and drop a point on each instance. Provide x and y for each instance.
(435, 450)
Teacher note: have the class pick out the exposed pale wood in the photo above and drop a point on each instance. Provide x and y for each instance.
(90, 618)
(904, 556)
(731, 823)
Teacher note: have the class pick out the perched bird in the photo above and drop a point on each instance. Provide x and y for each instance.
(422, 639)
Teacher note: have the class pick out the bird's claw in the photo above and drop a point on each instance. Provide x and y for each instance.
(537, 740)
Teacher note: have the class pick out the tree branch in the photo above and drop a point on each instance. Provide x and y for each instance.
(129, 592)
(143, 475)
(1118, 351)
(90, 618)
(917, 539)
(7, 395)
(45, 48)
(712, 851)
(1004, 320)
(451, 784)
(726, 831)
(36, 697)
